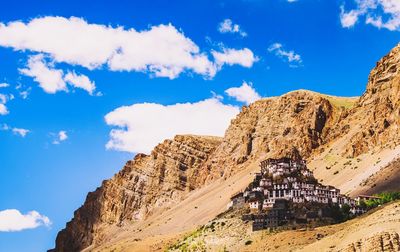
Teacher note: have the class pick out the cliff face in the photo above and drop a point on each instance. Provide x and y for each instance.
(295, 124)
(145, 184)
(378, 109)
(300, 123)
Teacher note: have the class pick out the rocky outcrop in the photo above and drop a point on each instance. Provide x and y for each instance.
(145, 184)
(295, 124)
(378, 109)
(381, 242)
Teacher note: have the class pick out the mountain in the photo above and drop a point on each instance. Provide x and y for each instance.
(187, 181)
(145, 184)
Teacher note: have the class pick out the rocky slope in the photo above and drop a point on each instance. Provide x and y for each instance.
(386, 179)
(145, 184)
(294, 124)
(328, 131)
(375, 231)
(378, 108)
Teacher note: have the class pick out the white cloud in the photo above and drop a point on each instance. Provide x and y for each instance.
(25, 93)
(227, 26)
(19, 131)
(4, 85)
(142, 126)
(293, 58)
(3, 100)
(12, 220)
(161, 50)
(245, 93)
(80, 81)
(49, 79)
(379, 13)
(3, 109)
(52, 80)
(60, 137)
(348, 19)
(243, 57)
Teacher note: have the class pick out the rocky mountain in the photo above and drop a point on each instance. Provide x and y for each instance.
(144, 185)
(328, 131)
(378, 108)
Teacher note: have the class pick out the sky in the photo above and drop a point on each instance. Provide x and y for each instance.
(85, 85)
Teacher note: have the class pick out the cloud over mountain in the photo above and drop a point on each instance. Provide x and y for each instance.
(140, 127)
(245, 93)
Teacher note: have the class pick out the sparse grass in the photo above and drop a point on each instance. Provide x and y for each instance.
(188, 243)
(342, 102)
(330, 158)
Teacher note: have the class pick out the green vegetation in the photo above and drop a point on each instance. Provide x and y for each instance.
(383, 198)
(189, 242)
(344, 102)
(341, 214)
(193, 242)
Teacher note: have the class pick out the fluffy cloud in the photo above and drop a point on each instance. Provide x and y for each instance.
(161, 50)
(60, 137)
(227, 26)
(80, 81)
(16, 131)
(52, 80)
(245, 93)
(13, 220)
(4, 85)
(142, 126)
(243, 57)
(49, 79)
(3, 100)
(379, 13)
(293, 58)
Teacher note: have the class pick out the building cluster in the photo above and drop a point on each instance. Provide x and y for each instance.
(286, 191)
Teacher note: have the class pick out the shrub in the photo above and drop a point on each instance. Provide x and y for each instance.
(384, 197)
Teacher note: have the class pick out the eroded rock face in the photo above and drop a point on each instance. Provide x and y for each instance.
(378, 108)
(292, 125)
(384, 242)
(146, 183)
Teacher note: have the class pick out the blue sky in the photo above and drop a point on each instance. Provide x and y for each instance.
(70, 117)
